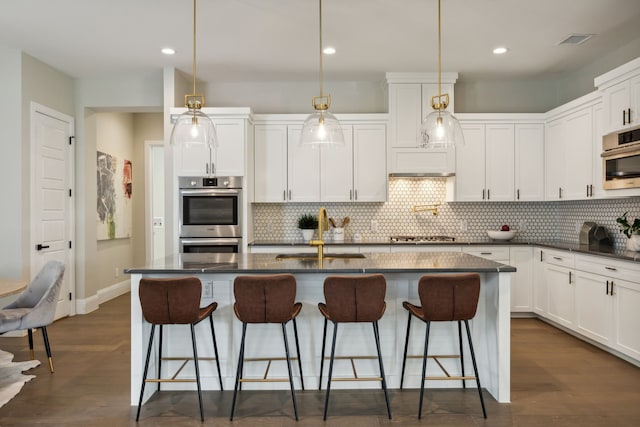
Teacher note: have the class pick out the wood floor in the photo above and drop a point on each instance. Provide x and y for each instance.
(557, 380)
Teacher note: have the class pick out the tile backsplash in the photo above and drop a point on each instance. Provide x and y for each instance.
(540, 221)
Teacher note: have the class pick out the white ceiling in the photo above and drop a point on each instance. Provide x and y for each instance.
(277, 40)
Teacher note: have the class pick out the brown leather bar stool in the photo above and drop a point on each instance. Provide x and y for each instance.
(353, 299)
(266, 299)
(175, 301)
(445, 298)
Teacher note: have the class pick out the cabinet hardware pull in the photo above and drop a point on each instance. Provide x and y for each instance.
(607, 287)
(488, 194)
(289, 194)
(611, 268)
(587, 190)
(284, 195)
(540, 256)
(629, 115)
(518, 194)
(206, 168)
(569, 277)
(483, 194)
(611, 292)
(356, 193)
(559, 192)
(557, 258)
(486, 253)
(624, 117)
(350, 194)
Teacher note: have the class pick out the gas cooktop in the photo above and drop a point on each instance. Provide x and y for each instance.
(418, 239)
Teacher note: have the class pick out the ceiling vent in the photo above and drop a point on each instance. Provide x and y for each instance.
(575, 39)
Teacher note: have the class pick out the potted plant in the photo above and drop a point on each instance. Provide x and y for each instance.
(631, 230)
(307, 223)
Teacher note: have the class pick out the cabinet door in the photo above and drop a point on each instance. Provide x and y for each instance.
(594, 307)
(616, 102)
(529, 162)
(521, 281)
(499, 162)
(270, 157)
(229, 155)
(554, 160)
(303, 163)
(561, 298)
(539, 284)
(405, 107)
(626, 297)
(598, 173)
(369, 163)
(578, 167)
(191, 160)
(336, 170)
(470, 165)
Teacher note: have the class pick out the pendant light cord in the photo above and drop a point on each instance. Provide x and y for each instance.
(320, 46)
(194, 47)
(439, 54)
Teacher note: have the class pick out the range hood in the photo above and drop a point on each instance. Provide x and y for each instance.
(417, 175)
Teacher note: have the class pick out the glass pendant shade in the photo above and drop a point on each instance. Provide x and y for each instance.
(321, 128)
(440, 129)
(194, 128)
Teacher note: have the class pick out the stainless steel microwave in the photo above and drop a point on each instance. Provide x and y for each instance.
(621, 160)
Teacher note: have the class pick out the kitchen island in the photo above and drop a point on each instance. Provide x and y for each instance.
(490, 327)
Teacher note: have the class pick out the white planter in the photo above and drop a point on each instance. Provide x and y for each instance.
(307, 234)
(633, 243)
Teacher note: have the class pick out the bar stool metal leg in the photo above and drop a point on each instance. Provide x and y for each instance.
(424, 368)
(464, 383)
(146, 370)
(295, 333)
(286, 349)
(376, 333)
(239, 370)
(324, 341)
(404, 357)
(475, 368)
(159, 354)
(197, 365)
(333, 352)
(215, 351)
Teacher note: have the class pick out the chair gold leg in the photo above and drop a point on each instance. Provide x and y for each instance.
(51, 365)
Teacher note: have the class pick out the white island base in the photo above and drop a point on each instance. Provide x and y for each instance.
(490, 333)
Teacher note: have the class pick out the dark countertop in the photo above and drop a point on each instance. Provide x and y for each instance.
(401, 262)
(619, 254)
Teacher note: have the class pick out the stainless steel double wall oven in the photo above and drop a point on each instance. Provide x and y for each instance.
(210, 214)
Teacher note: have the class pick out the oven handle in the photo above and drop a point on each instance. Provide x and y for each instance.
(212, 242)
(210, 192)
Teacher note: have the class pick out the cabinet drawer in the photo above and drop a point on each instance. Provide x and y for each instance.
(613, 269)
(493, 253)
(560, 258)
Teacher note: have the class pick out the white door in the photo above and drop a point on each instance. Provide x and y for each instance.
(51, 198)
(154, 200)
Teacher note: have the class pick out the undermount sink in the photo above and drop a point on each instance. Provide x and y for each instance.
(314, 257)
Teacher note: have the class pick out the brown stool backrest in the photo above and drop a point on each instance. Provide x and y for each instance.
(265, 299)
(170, 301)
(355, 298)
(449, 297)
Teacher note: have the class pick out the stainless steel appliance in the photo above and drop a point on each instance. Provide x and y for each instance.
(421, 239)
(594, 236)
(621, 160)
(210, 217)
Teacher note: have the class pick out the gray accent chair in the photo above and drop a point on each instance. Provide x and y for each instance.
(35, 307)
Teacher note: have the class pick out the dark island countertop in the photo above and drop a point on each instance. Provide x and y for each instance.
(621, 254)
(401, 262)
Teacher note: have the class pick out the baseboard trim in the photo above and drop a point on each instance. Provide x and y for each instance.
(92, 303)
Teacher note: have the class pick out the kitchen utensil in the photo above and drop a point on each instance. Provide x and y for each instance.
(333, 222)
(346, 221)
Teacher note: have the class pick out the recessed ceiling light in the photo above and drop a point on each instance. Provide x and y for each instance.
(329, 50)
(500, 50)
(168, 51)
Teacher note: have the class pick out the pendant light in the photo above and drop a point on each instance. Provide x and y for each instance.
(440, 129)
(194, 128)
(321, 128)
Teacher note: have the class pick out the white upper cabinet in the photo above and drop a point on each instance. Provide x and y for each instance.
(529, 162)
(288, 172)
(232, 127)
(502, 160)
(409, 103)
(620, 90)
(570, 148)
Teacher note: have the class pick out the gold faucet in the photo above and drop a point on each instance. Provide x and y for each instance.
(323, 224)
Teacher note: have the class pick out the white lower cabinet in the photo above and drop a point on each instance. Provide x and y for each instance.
(594, 307)
(626, 317)
(539, 284)
(521, 257)
(560, 292)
